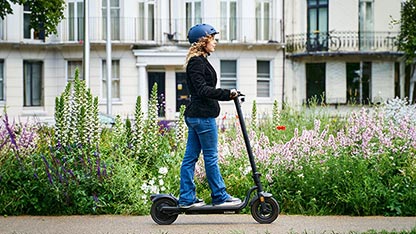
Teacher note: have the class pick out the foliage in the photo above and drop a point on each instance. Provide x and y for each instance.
(45, 14)
(407, 36)
(359, 164)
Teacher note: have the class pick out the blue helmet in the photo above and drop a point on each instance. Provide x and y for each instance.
(200, 30)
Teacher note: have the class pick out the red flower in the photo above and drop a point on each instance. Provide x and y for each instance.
(281, 127)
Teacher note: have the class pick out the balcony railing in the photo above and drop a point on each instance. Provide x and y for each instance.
(335, 41)
(136, 30)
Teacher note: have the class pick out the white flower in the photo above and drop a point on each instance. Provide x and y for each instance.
(152, 182)
(154, 189)
(247, 170)
(163, 170)
(161, 182)
(145, 188)
(163, 188)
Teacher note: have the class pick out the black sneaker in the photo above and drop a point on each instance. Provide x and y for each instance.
(231, 201)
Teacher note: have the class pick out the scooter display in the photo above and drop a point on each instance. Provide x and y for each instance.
(264, 208)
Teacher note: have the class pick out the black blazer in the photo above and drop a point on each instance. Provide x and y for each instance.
(202, 80)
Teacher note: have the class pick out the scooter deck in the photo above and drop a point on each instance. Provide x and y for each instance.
(206, 209)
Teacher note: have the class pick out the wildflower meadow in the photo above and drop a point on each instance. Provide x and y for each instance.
(315, 163)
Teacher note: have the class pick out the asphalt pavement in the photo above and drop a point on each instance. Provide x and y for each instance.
(204, 224)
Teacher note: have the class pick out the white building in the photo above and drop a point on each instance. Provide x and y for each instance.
(255, 54)
(343, 52)
(149, 45)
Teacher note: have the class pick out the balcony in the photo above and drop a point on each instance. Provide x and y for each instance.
(144, 31)
(342, 42)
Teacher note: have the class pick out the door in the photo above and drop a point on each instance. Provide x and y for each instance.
(159, 79)
(182, 92)
(359, 83)
(315, 83)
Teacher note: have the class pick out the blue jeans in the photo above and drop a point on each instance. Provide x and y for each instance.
(202, 135)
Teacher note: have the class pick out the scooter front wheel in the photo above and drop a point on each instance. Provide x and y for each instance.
(269, 213)
(160, 217)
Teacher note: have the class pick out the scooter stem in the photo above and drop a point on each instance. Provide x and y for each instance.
(256, 175)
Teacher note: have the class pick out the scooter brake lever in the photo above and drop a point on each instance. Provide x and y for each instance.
(241, 96)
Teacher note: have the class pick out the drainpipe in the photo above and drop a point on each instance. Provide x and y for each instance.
(86, 63)
(108, 60)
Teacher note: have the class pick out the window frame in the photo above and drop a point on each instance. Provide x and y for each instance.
(266, 77)
(263, 22)
(2, 29)
(76, 23)
(115, 79)
(70, 73)
(227, 78)
(317, 36)
(146, 23)
(33, 34)
(366, 24)
(29, 101)
(2, 79)
(115, 20)
(191, 17)
(228, 20)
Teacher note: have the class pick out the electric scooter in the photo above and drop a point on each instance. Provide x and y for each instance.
(264, 208)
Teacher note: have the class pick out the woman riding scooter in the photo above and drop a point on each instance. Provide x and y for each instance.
(200, 117)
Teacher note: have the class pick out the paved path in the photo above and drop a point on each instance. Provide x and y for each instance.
(204, 224)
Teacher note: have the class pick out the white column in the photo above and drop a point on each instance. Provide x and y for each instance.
(143, 86)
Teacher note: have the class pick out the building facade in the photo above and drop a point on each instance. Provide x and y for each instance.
(148, 45)
(343, 52)
(335, 51)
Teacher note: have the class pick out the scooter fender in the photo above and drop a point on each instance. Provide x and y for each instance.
(155, 197)
(263, 194)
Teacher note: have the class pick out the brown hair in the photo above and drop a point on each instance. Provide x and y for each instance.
(198, 48)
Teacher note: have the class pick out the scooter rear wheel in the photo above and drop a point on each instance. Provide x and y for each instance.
(270, 212)
(160, 217)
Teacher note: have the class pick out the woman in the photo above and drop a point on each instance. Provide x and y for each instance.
(200, 117)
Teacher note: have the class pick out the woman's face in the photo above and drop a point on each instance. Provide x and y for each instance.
(210, 47)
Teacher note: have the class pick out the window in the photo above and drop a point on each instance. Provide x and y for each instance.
(193, 13)
(1, 29)
(28, 32)
(33, 90)
(115, 79)
(72, 66)
(76, 20)
(263, 78)
(263, 20)
(146, 20)
(228, 20)
(366, 21)
(1, 80)
(228, 74)
(115, 19)
(317, 25)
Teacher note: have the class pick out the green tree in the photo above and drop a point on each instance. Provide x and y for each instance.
(407, 39)
(46, 14)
